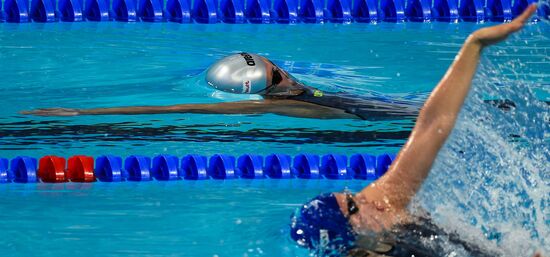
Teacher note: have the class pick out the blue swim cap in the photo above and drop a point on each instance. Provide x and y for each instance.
(320, 224)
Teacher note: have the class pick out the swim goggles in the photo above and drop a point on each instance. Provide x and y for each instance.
(276, 78)
(353, 208)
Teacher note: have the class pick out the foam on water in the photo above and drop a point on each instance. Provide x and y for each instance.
(493, 171)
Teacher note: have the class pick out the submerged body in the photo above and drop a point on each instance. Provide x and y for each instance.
(308, 103)
(366, 109)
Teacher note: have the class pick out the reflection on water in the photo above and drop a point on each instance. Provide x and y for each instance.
(30, 133)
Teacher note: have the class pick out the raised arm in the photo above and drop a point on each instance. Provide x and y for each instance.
(436, 120)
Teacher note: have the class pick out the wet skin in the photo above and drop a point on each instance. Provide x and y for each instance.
(384, 203)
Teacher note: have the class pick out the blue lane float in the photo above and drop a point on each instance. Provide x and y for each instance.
(278, 166)
(43, 10)
(544, 12)
(70, 10)
(285, 11)
(165, 167)
(311, 11)
(499, 10)
(96, 10)
(23, 169)
(17, 11)
(109, 168)
(250, 167)
(445, 11)
(520, 6)
(472, 10)
(222, 166)
(419, 10)
(335, 166)
(194, 167)
(392, 10)
(365, 11)
(232, 11)
(383, 162)
(363, 166)
(205, 11)
(306, 166)
(137, 168)
(4, 170)
(338, 11)
(178, 11)
(124, 10)
(258, 11)
(266, 11)
(150, 10)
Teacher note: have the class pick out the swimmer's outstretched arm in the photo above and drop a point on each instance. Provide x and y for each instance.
(281, 107)
(394, 190)
(243, 107)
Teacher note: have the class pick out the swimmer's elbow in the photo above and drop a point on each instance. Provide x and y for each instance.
(436, 125)
(431, 116)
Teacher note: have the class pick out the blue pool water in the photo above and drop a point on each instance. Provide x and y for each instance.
(492, 175)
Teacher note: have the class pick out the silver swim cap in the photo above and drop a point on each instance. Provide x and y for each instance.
(239, 73)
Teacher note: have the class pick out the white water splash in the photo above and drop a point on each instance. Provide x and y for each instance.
(491, 181)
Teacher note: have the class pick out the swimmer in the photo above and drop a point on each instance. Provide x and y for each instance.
(282, 94)
(376, 221)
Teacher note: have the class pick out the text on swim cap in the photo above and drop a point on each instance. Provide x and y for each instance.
(248, 58)
(246, 86)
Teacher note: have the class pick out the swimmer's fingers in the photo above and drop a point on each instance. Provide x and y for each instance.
(537, 255)
(52, 112)
(519, 21)
(492, 35)
(523, 18)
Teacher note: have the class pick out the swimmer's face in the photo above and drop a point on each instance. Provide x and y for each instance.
(349, 206)
(360, 214)
(368, 218)
(279, 82)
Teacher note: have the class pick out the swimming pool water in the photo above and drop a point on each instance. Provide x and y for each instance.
(85, 65)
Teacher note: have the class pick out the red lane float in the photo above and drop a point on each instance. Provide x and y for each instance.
(51, 169)
(81, 169)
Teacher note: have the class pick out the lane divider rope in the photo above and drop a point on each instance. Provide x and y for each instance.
(110, 168)
(265, 11)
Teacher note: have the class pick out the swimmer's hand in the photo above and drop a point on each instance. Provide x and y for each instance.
(492, 35)
(52, 112)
